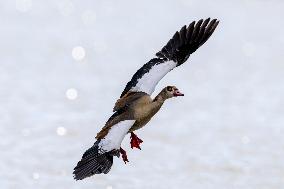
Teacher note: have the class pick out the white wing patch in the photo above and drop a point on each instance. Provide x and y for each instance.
(148, 81)
(115, 136)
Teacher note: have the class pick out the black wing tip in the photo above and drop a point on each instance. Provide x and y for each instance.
(89, 167)
(188, 40)
(93, 163)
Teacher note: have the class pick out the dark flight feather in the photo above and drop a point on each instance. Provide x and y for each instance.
(185, 44)
(93, 162)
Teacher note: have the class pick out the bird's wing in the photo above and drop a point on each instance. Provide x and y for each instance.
(112, 140)
(128, 99)
(99, 158)
(173, 54)
(115, 129)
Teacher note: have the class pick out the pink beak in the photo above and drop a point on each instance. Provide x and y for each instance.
(177, 93)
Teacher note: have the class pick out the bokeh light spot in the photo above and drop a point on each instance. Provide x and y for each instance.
(71, 94)
(78, 53)
(61, 131)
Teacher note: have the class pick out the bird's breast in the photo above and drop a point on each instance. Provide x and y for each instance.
(143, 115)
(144, 112)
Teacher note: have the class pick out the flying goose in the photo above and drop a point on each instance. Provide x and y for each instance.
(135, 107)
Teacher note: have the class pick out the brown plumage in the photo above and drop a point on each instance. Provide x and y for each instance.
(138, 106)
(135, 107)
(127, 99)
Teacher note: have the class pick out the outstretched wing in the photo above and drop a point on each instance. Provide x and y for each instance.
(117, 126)
(112, 140)
(99, 158)
(173, 54)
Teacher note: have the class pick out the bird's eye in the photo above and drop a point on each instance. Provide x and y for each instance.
(169, 89)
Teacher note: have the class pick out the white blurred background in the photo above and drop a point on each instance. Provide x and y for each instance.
(64, 63)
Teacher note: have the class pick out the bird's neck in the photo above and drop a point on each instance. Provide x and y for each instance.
(160, 99)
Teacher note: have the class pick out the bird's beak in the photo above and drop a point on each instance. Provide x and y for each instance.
(178, 93)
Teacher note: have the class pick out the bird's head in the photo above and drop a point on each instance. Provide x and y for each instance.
(172, 91)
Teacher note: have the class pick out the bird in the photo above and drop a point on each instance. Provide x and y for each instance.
(135, 107)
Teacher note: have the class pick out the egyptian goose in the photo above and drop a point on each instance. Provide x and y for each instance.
(135, 107)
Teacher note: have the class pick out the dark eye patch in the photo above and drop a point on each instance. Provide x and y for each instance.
(169, 88)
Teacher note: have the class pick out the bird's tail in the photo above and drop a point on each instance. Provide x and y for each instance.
(93, 162)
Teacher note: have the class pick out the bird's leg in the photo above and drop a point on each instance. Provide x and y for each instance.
(135, 141)
(124, 155)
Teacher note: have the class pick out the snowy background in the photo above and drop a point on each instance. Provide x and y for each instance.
(63, 64)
